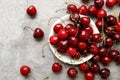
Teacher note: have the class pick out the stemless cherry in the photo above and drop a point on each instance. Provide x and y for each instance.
(113, 54)
(54, 40)
(84, 67)
(102, 51)
(117, 27)
(92, 9)
(57, 27)
(73, 41)
(72, 72)
(116, 37)
(74, 17)
(110, 3)
(25, 70)
(105, 60)
(89, 29)
(63, 44)
(82, 10)
(71, 8)
(82, 46)
(104, 73)
(95, 68)
(73, 31)
(93, 49)
(38, 33)
(63, 34)
(111, 20)
(71, 51)
(95, 58)
(69, 26)
(89, 76)
(56, 67)
(101, 13)
(108, 42)
(99, 3)
(31, 10)
(85, 21)
(118, 59)
(96, 38)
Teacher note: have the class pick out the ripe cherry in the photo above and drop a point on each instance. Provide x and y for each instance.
(99, 3)
(95, 58)
(89, 29)
(118, 59)
(73, 31)
(116, 37)
(82, 10)
(111, 20)
(54, 40)
(92, 10)
(73, 41)
(72, 72)
(71, 51)
(31, 10)
(108, 42)
(113, 54)
(74, 17)
(102, 51)
(99, 24)
(77, 55)
(101, 13)
(93, 49)
(117, 1)
(110, 3)
(85, 21)
(96, 38)
(63, 34)
(117, 27)
(105, 60)
(25, 70)
(89, 76)
(95, 68)
(38, 33)
(63, 44)
(56, 67)
(104, 73)
(69, 26)
(84, 67)
(71, 8)
(82, 46)
(57, 27)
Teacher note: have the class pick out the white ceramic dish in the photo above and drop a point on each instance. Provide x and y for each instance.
(68, 59)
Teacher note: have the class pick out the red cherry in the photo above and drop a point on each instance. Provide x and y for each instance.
(93, 49)
(105, 60)
(111, 20)
(119, 14)
(63, 44)
(89, 29)
(113, 54)
(117, 1)
(99, 3)
(85, 1)
(38, 33)
(117, 28)
(101, 13)
(116, 37)
(72, 72)
(118, 59)
(110, 3)
(104, 73)
(61, 50)
(92, 10)
(56, 67)
(63, 34)
(73, 41)
(102, 51)
(82, 10)
(54, 40)
(85, 21)
(82, 46)
(74, 17)
(99, 24)
(89, 76)
(69, 26)
(31, 10)
(57, 27)
(95, 68)
(108, 42)
(25, 70)
(71, 8)
(73, 31)
(95, 58)
(84, 67)
(71, 51)
(96, 38)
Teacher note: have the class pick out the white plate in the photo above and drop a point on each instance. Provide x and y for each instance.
(68, 59)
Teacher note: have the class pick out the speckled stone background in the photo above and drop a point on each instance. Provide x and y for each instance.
(18, 47)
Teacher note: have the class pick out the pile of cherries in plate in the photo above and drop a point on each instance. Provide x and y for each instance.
(78, 39)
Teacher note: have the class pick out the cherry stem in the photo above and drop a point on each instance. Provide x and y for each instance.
(67, 3)
(43, 55)
(60, 10)
(53, 18)
(28, 28)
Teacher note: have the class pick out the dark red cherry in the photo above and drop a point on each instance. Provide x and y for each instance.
(54, 40)
(89, 29)
(105, 60)
(74, 17)
(111, 20)
(102, 51)
(92, 10)
(71, 51)
(63, 34)
(25, 70)
(38, 33)
(93, 49)
(101, 13)
(117, 1)
(99, 24)
(89, 75)
(117, 27)
(82, 10)
(108, 42)
(77, 55)
(57, 27)
(85, 1)
(85, 21)
(84, 67)
(110, 3)
(113, 54)
(99, 3)
(56, 67)
(96, 38)
(104, 73)
(72, 72)
(63, 44)
(82, 46)
(95, 58)
(31, 11)
(71, 8)
(116, 37)
(73, 41)
(95, 68)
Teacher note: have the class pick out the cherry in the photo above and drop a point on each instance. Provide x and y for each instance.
(61, 50)
(89, 29)
(102, 51)
(82, 46)
(73, 31)
(109, 30)
(38, 33)
(73, 41)
(82, 10)
(96, 38)
(111, 20)
(99, 3)
(113, 54)
(117, 1)
(108, 42)
(56, 67)
(92, 10)
(105, 60)
(63, 34)
(25, 70)
(54, 40)
(99, 24)
(84, 67)
(57, 27)
(117, 28)
(71, 8)
(110, 3)
(71, 51)
(104, 73)
(89, 76)
(95, 58)
(74, 17)
(93, 49)
(116, 37)
(69, 26)
(31, 10)
(63, 44)
(72, 72)
(95, 68)
(118, 59)
(101, 13)
(77, 55)
(85, 21)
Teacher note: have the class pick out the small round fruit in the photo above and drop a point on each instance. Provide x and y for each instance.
(105, 60)
(74, 17)
(118, 59)
(101, 13)
(73, 41)
(93, 49)
(25, 70)
(89, 76)
(63, 34)
(56, 67)
(84, 67)
(113, 54)
(38, 33)
(97, 38)
(31, 10)
(111, 20)
(57, 27)
(108, 42)
(99, 3)
(71, 51)
(54, 40)
(71, 8)
(82, 46)
(95, 58)
(72, 72)
(82, 10)
(104, 73)
(63, 44)
(95, 68)
(102, 51)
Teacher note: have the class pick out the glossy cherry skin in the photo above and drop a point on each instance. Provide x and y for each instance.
(105, 60)
(99, 24)
(84, 67)
(31, 10)
(38, 33)
(111, 20)
(89, 76)
(104, 73)
(54, 40)
(109, 30)
(102, 51)
(96, 38)
(110, 3)
(101, 13)
(95, 58)
(118, 1)
(117, 28)
(63, 34)
(63, 44)
(69, 26)
(82, 46)
(108, 42)
(92, 10)
(118, 59)
(57, 27)
(93, 49)
(116, 37)
(71, 51)
(73, 31)
(71, 8)
(85, 21)
(99, 3)
(74, 17)
(113, 54)
(95, 68)
(56, 67)
(72, 72)
(25, 70)
(82, 10)
(73, 41)
(89, 29)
